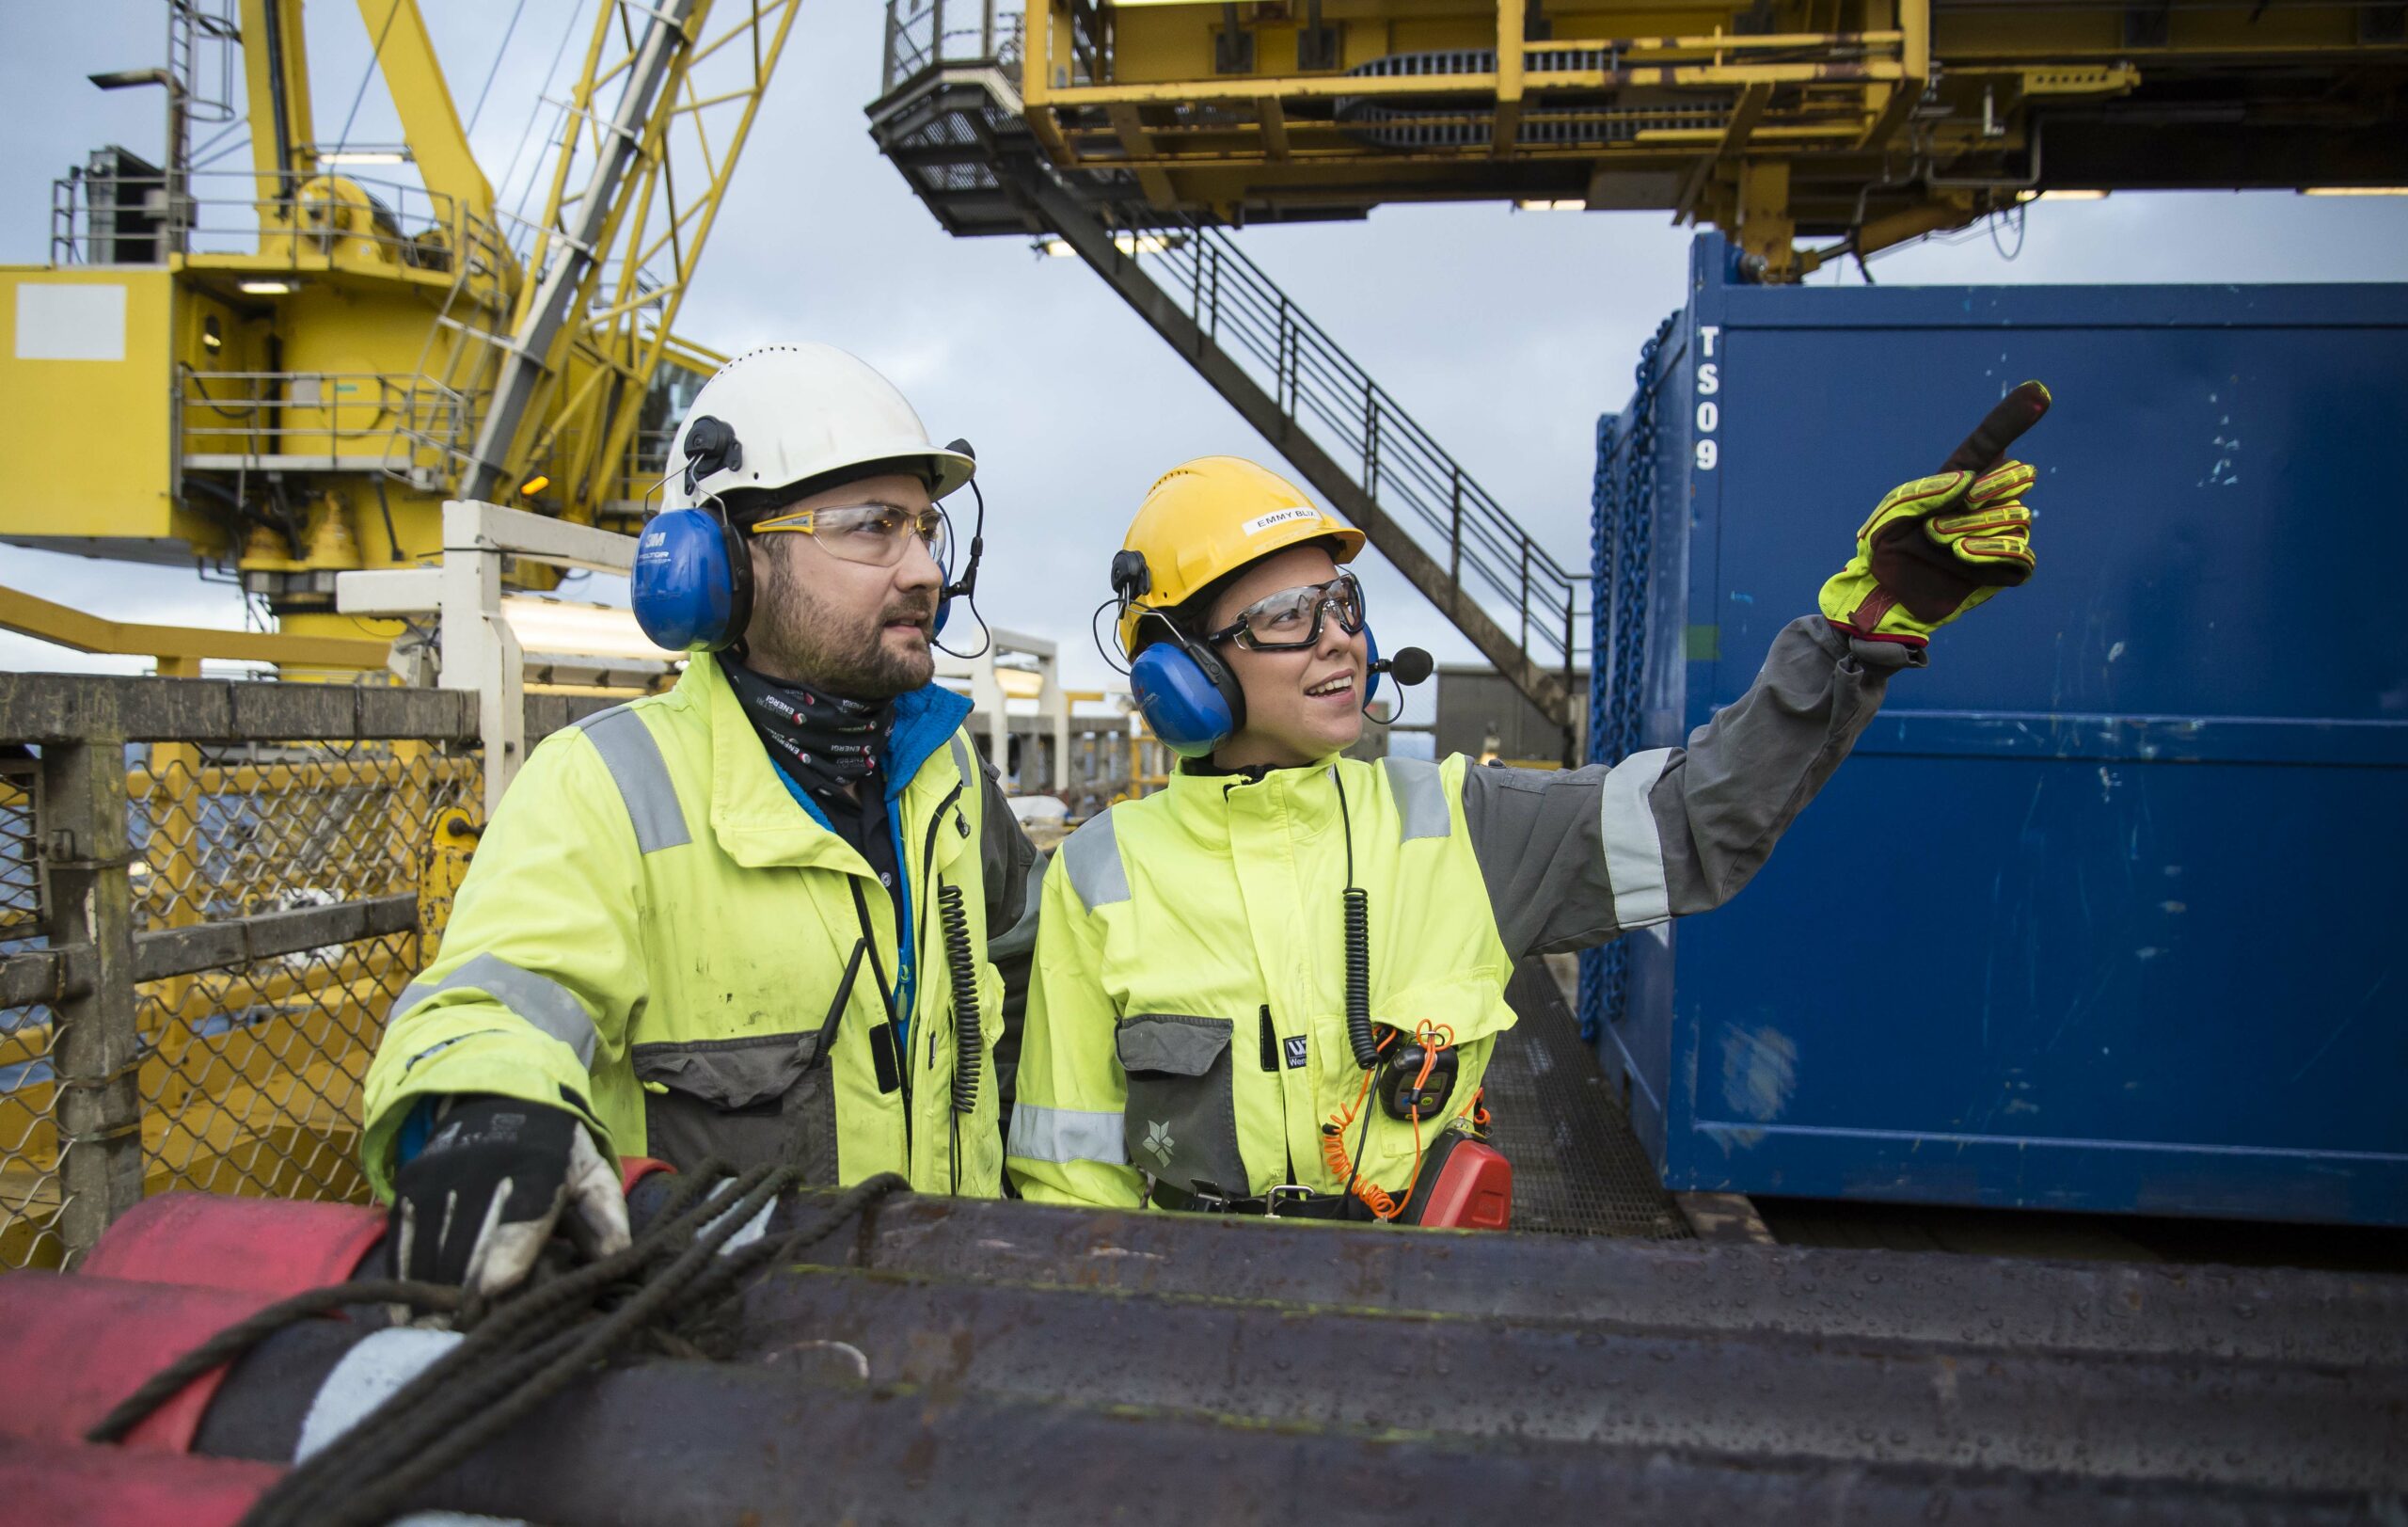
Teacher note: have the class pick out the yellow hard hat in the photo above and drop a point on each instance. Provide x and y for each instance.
(1207, 517)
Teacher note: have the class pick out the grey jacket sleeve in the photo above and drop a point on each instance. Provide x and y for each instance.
(1574, 858)
(1012, 949)
(1004, 854)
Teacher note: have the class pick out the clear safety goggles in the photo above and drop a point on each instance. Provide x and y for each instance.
(1292, 617)
(877, 534)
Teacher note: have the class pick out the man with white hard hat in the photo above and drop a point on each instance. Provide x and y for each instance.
(747, 918)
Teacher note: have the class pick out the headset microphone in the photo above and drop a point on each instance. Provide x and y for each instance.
(1410, 665)
(967, 586)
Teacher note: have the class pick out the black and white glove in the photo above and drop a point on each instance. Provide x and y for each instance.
(477, 1204)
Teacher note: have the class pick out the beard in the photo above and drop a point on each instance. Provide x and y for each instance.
(792, 635)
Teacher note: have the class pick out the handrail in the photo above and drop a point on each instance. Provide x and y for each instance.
(1317, 383)
(918, 38)
(258, 413)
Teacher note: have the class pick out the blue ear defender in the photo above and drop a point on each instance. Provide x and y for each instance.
(1188, 696)
(691, 585)
(693, 582)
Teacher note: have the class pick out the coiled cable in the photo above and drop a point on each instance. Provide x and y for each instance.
(1358, 948)
(963, 965)
(1358, 978)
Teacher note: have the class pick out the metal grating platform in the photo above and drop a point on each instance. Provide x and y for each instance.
(1578, 1167)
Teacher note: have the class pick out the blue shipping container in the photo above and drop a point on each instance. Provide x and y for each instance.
(2105, 910)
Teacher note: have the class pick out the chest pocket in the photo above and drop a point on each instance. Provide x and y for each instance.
(750, 1102)
(1473, 1007)
(1181, 1118)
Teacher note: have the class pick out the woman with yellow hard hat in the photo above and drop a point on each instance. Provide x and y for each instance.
(1274, 986)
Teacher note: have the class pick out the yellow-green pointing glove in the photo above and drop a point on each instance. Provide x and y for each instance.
(1937, 547)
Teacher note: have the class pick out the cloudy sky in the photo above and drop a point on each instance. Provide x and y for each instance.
(1504, 333)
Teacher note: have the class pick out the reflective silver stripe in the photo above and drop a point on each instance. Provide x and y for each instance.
(1421, 796)
(751, 1231)
(1066, 1135)
(367, 1376)
(634, 760)
(539, 999)
(1634, 849)
(1091, 857)
(968, 769)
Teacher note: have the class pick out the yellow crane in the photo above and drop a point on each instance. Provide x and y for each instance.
(289, 367)
(1863, 122)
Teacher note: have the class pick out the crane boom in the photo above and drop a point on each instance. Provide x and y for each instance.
(569, 252)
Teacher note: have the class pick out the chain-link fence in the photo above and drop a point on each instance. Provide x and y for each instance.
(253, 1083)
(29, 1151)
(211, 893)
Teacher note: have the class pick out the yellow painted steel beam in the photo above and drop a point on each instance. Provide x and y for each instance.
(1281, 88)
(430, 122)
(1744, 117)
(1708, 75)
(587, 407)
(1766, 228)
(1232, 89)
(1274, 120)
(276, 81)
(1511, 61)
(1646, 48)
(1671, 146)
(73, 629)
(1914, 21)
(1138, 144)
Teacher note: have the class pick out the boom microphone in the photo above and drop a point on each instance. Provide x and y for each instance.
(1410, 665)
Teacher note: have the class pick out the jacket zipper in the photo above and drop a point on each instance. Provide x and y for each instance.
(886, 993)
(920, 946)
(927, 864)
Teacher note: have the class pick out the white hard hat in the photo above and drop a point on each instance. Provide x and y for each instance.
(789, 413)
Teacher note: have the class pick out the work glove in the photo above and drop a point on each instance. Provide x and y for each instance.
(1932, 549)
(475, 1207)
(1938, 546)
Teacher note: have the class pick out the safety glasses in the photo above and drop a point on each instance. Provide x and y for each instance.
(875, 534)
(1291, 618)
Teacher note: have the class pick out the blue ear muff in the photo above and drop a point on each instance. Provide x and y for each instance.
(1192, 702)
(693, 582)
(1371, 672)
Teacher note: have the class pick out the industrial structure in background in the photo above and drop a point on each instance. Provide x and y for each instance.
(1136, 135)
(299, 360)
(2108, 1012)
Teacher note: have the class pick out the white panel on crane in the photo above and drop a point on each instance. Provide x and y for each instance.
(81, 321)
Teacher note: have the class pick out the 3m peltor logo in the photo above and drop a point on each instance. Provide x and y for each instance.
(1263, 522)
(1158, 1142)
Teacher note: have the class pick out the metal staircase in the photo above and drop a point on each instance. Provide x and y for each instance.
(953, 127)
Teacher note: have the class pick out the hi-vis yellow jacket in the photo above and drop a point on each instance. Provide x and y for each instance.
(1186, 1013)
(656, 933)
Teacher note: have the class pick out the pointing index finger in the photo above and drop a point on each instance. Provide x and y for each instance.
(1986, 446)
